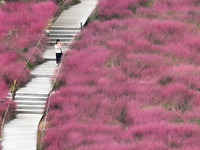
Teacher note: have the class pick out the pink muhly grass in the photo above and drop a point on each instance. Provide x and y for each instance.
(81, 135)
(9, 73)
(8, 58)
(171, 134)
(93, 59)
(102, 34)
(130, 83)
(3, 107)
(18, 17)
(144, 115)
(186, 74)
(137, 66)
(160, 32)
(17, 44)
(107, 146)
(3, 90)
(119, 9)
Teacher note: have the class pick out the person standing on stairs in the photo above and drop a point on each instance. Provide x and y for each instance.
(58, 50)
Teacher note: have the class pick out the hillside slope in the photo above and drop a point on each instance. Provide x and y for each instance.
(131, 82)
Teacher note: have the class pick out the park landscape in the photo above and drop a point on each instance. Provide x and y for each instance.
(129, 82)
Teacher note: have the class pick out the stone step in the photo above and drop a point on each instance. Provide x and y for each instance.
(26, 123)
(30, 107)
(61, 39)
(29, 102)
(30, 116)
(27, 111)
(45, 69)
(23, 98)
(36, 88)
(59, 35)
(64, 28)
(11, 132)
(46, 65)
(41, 75)
(52, 43)
(28, 96)
(31, 94)
(64, 31)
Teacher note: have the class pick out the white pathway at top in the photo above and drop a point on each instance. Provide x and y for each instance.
(21, 133)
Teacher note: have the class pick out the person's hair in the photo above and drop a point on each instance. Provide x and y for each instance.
(57, 41)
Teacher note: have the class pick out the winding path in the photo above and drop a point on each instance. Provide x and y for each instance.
(21, 133)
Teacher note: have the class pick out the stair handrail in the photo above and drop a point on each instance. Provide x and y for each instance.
(3, 122)
(52, 87)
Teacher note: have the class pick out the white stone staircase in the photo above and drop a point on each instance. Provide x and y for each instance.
(30, 104)
(31, 99)
(65, 34)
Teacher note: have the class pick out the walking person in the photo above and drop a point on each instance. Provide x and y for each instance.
(58, 50)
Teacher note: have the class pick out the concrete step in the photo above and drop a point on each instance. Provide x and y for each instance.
(65, 40)
(52, 43)
(31, 94)
(27, 96)
(42, 76)
(64, 28)
(26, 123)
(64, 31)
(36, 88)
(11, 132)
(28, 111)
(29, 102)
(30, 107)
(61, 39)
(47, 66)
(30, 116)
(59, 35)
(20, 143)
(30, 98)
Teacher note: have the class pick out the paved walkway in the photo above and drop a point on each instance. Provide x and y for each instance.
(21, 133)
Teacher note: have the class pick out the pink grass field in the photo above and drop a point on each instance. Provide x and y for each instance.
(132, 80)
(21, 26)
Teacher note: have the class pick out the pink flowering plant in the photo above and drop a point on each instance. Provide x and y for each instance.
(131, 81)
